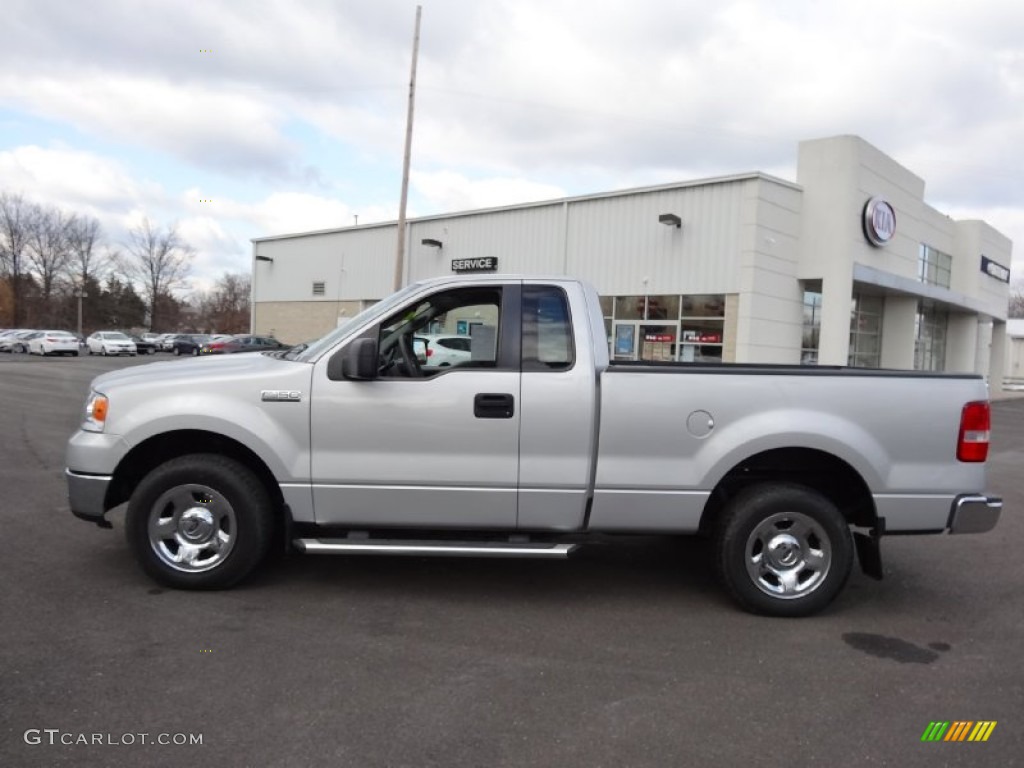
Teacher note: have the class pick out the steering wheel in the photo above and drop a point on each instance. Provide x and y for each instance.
(410, 364)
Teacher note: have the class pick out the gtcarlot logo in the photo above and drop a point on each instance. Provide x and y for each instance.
(55, 736)
(958, 730)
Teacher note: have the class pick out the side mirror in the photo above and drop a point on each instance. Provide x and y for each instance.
(360, 360)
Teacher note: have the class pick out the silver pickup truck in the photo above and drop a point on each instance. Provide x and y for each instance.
(529, 445)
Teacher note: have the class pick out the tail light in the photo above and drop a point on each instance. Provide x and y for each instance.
(429, 351)
(975, 431)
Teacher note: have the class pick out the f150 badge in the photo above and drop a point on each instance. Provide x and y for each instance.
(280, 395)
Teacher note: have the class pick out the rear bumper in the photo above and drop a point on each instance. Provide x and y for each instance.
(86, 494)
(974, 513)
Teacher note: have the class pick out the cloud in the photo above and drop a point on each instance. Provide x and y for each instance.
(447, 191)
(74, 178)
(516, 99)
(206, 127)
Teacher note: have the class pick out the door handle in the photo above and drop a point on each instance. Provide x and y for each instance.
(494, 405)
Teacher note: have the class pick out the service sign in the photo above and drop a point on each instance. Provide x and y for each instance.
(995, 269)
(481, 264)
(879, 221)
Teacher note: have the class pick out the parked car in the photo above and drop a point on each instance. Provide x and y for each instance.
(163, 342)
(14, 340)
(538, 447)
(444, 350)
(188, 343)
(53, 343)
(143, 345)
(242, 343)
(110, 343)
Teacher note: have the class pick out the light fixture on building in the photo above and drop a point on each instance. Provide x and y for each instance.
(264, 258)
(670, 220)
(431, 242)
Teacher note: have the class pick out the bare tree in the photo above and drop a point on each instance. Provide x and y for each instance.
(1016, 307)
(85, 259)
(86, 264)
(17, 222)
(48, 253)
(158, 261)
(225, 308)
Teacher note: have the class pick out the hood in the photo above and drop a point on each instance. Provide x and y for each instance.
(195, 371)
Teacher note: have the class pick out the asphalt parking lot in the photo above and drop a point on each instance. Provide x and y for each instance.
(626, 655)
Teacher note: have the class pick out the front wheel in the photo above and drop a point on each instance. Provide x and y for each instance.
(783, 550)
(201, 521)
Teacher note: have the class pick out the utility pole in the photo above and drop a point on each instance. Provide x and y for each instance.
(81, 294)
(400, 256)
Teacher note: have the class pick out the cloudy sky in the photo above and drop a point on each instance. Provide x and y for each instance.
(247, 118)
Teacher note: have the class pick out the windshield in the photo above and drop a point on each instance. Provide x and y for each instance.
(309, 351)
(116, 336)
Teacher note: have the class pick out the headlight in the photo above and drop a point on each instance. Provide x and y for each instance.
(95, 413)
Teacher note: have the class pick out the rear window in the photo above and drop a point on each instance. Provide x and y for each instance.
(460, 344)
(547, 330)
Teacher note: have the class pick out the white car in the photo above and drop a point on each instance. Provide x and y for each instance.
(53, 343)
(110, 343)
(444, 350)
(15, 340)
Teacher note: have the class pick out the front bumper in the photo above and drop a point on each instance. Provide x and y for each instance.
(974, 513)
(86, 495)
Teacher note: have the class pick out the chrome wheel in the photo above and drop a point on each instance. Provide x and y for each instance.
(788, 555)
(192, 528)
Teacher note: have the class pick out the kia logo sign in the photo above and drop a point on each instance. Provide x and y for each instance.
(879, 221)
(995, 269)
(482, 264)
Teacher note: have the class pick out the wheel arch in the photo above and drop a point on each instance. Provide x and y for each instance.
(819, 470)
(158, 449)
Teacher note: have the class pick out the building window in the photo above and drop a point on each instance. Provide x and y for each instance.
(702, 328)
(934, 267)
(865, 331)
(665, 327)
(930, 337)
(318, 288)
(812, 324)
(630, 307)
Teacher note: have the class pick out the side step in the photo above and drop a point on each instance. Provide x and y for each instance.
(430, 548)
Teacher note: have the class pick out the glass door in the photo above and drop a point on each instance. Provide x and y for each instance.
(624, 341)
(658, 341)
(637, 340)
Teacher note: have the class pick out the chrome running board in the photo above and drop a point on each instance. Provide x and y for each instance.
(429, 548)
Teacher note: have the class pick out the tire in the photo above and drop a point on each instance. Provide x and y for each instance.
(201, 521)
(177, 351)
(195, 352)
(783, 549)
(75, 353)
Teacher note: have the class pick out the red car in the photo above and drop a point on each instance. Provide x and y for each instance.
(243, 343)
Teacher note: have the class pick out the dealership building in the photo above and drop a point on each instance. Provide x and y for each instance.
(847, 266)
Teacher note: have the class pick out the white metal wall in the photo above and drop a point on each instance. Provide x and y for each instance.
(615, 242)
(353, 264)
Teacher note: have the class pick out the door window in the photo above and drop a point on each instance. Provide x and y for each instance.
(476, 311)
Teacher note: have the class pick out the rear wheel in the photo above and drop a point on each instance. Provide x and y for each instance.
(783, 550)
(201, 521)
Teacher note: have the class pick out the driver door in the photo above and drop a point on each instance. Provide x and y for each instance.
(421, 446)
